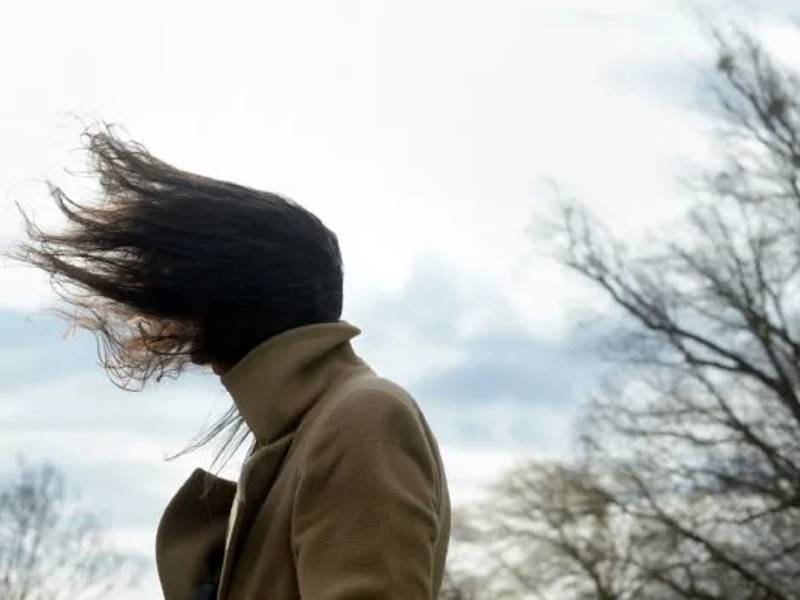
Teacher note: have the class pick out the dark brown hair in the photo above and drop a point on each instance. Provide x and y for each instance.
(171, 268)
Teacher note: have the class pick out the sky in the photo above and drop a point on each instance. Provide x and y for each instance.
(425, 134)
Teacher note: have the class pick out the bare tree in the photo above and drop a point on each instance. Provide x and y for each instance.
(458, 586)
(688, 484)
(462, 581)
(550, 531)
(49, 548)
(702, 426)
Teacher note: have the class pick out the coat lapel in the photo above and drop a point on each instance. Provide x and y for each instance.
(191, 534)
(258, 474)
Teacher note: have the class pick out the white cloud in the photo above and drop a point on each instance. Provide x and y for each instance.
(413, 129)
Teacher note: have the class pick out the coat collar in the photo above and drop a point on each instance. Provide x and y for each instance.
(273, 386)
(280, 379)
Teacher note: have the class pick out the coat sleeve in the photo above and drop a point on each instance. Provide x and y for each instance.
(365, 519)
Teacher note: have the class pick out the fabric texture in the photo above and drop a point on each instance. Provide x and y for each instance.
(343, 496)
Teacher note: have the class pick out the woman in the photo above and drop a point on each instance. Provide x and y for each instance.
(343, 494)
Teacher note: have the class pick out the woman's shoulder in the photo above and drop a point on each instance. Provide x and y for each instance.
(371, 400)
(376, 423)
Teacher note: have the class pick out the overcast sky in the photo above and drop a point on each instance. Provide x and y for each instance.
(423, 132)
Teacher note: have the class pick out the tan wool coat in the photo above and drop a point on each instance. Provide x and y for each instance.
(343, 496)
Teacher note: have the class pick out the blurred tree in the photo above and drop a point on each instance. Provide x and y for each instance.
(688, 485)
(458, 586)
(50, 549)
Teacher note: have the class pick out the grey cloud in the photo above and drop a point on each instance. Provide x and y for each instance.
(427, 306)
(513, 367)
(135, 500)
(98, 487)
(33, 347)
(503, 363)
(89, 403)
(49, 383)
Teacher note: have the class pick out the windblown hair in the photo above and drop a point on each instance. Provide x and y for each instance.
(171, 268)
